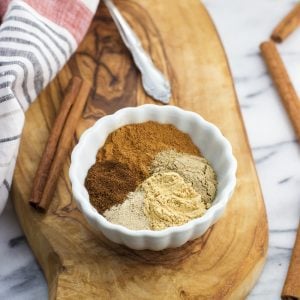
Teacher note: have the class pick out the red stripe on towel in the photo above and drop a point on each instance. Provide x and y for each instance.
(3, 7)
(71, 14)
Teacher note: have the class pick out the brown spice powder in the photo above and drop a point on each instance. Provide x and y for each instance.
(124, 160)
(137, 144)
(108, 183)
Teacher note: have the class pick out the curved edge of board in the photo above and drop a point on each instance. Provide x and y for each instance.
(58, 268)
(252, 277)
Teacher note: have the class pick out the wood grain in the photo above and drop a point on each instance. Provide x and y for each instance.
(81, 264)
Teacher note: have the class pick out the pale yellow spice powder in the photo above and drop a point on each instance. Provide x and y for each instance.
(170, 201)
(193, 169)
(180, 189)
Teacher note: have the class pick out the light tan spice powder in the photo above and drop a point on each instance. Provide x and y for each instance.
(168, 198)
(170, 201)
(130, 213)
(194, 169)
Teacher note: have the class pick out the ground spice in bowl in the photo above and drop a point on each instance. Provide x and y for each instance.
(108, 182)
(130, 213)
(194, 169)
(150, 176)
(170, 201)
(137, 144)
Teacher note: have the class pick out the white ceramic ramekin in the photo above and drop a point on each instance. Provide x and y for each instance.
(205, 135)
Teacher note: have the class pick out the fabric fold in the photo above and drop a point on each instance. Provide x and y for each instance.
(36, 40)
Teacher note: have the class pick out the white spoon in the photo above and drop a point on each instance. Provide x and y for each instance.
(154, 82)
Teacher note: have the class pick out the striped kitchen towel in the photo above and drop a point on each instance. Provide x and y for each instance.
(37, 37)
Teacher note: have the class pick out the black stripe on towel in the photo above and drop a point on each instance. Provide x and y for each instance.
(12, 28)
(9, 139)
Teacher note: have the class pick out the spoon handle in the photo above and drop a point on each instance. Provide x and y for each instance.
(154, 82)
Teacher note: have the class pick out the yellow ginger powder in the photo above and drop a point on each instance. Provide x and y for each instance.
(170, 201)
(194, 169)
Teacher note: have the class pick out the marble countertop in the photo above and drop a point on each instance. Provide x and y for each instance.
(242, 25)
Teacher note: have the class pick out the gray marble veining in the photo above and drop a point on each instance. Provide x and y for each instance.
(243, 25)
(20, 275)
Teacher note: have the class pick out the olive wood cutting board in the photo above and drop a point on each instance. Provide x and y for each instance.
(80, 264)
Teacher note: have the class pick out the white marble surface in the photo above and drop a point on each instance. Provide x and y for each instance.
(243, 25)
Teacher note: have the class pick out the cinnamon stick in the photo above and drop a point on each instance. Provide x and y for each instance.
(49, 151)
(290, 22)
(64, 145)
(288, 95)
(283, 83)
(291, 289)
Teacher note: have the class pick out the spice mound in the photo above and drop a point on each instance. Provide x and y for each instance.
(137, 144)
(108, 182)
(150, 176)
(170, 201)
(195, 170)
(130, 213)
